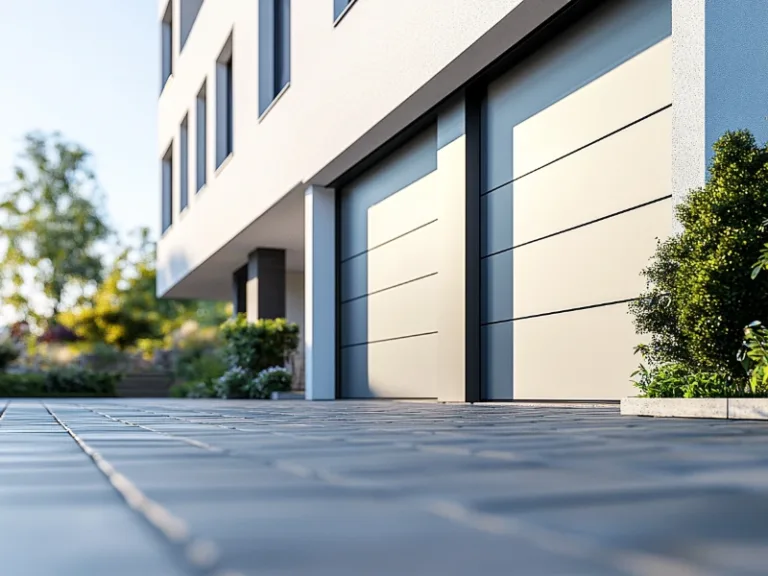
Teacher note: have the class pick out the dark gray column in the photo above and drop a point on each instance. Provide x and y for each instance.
(239, 281)
(265, 290)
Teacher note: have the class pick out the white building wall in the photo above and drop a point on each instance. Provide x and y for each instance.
(345, 80)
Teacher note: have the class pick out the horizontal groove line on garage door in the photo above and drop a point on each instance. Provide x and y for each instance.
(554, 312)
(577, 226)
(380, 290)
(388, 340)
(357, 255)
(577, 150)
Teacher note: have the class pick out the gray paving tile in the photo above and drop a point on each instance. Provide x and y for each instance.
(388, 488)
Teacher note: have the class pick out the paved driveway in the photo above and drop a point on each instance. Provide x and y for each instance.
(107, 488)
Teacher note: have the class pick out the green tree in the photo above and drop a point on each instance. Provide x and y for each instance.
(125, 312)
(700, 293)
(52, 225)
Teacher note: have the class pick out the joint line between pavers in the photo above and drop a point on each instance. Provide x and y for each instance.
(201, 555)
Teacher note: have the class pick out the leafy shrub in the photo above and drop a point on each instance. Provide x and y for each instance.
(22, 385)
(700, 293)
(199, 362)
(275, 379)
(677, 381)
(256, 346)
(193, 390)
(248, 366)
(67, 382)
(8, 354)
(754, 357)
(233, 383)
(76, 381)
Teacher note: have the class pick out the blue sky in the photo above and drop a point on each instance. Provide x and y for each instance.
(88, 68)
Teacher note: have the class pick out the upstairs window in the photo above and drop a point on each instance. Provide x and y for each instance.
(225, 100)
(201, 152)
(167, 189)
(340, 8)
(184, 164)
(274, 50)
(166, 33)
(188, 10)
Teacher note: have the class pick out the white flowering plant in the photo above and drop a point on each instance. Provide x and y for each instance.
(274, 379)
(233, 383)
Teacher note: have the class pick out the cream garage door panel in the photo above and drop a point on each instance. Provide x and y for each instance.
(594, 264)
(626, 170)
(405, 311)
(603, 73)
(616, 99)
(581, 355)
(392, 369)
(389, 287)
(409, 257)
(367, 196)
(403, 212)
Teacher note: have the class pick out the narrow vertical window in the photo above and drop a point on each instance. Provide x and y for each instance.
(202, 135)
(274, 50)
(188, 10)
(230, 107)
(183, 164)
(339, 7)
(282, 45)
(225, 104)
(167, 189)
(166, 31)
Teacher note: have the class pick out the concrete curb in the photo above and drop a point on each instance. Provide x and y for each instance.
(716, 408)
(287, 396)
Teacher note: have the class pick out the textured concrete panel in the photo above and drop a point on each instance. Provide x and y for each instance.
(748, 408)
(675, 407)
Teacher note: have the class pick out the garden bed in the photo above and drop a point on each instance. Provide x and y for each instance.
(718, 408)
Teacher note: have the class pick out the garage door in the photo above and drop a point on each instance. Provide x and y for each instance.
(576, 189)
(389, 276)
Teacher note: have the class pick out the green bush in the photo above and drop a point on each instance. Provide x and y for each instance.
(700, 293)
(677, 381)
(275, 379)
(199, 362)
(193, 390)
(754, 357)
(66, 382)
(22, 385)
(233, 383)
(8, 354)
(248, 365)
(256, 346)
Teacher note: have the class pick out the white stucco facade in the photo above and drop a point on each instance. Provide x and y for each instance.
(358, 83)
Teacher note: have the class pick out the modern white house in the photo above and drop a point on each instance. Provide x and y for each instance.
(453, 198)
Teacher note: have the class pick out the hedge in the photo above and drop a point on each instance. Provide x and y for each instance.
(66, 383)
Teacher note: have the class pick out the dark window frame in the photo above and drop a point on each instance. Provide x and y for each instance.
(166, 46)
(340, 9)
(167, 190)
(282, 46)
(184, 163)
(201, 138)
